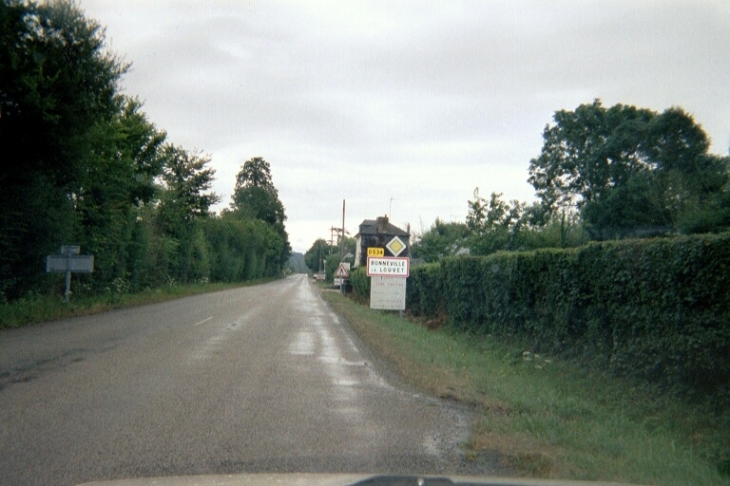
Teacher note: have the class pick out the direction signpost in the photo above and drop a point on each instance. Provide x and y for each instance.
(69, 261)
(341, 275)
(388, 276)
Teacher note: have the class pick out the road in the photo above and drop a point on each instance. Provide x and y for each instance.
(256, 379)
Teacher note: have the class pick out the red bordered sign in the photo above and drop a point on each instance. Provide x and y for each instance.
(388, 267)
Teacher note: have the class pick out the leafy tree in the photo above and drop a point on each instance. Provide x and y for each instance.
(257, 203)
(255, 172)
(296, 263)
(185, 180)
(494, 225)
(561, 230)
(318, 252)
(57, 83)
(441, 240)
(628, 170)
(124, 160)
(183, 203)
(255, 197)
(348, 245)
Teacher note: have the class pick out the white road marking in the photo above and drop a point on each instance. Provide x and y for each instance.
(203, 321)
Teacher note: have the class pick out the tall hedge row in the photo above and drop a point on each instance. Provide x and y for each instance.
(658, 310)
(360, 282)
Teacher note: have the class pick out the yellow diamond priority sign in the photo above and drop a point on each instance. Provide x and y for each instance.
(396, 246)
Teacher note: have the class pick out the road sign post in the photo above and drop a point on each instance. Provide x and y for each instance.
(388, 278)
(69, 261)
(341, 275)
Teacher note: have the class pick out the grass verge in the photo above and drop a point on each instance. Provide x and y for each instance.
(36, 308)
(547, 418)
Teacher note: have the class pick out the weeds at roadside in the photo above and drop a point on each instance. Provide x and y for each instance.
(547, 417)
(35, 308)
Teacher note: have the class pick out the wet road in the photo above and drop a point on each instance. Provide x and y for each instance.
(257, 379)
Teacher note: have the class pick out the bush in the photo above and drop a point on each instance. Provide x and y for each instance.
(360, 283)
(657, 310)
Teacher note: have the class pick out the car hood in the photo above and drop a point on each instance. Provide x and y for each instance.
(340, 480)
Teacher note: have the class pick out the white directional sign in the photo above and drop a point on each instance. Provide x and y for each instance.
(70, 263)
(388, 293)
(388, 267)
(70, 250)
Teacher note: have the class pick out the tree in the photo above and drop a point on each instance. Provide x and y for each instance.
(627, 170)
(255, 172)
(124, 159)
(57, 83)
(257, 203)
(255, 197)
(185, 180)
(441, 240)
(296, 263)
(494, 225)
(184, 201)
(317, 253)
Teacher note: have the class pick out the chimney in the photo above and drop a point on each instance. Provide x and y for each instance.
(382, 224)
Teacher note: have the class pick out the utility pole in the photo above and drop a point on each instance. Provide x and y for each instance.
(342, 240)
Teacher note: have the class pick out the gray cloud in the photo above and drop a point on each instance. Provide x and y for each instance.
(416, 101)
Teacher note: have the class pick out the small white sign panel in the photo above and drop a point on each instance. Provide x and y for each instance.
(388, 293)
(70, 263)
(388, 267)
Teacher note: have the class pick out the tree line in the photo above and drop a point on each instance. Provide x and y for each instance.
(602, 174)
(85, 166)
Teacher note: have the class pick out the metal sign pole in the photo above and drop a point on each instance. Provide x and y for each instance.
(67, 294)
(68, 251)
(69, 261)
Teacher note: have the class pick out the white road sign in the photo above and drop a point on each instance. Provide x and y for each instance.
(388, 293)
(70, 263)
(388, 267)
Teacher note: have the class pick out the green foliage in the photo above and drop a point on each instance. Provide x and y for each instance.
(240, 250)
(296, 263)
(547, 416)
(255, 172)
(655, 310)
(88, 168)
(424, 290)
(57, 83)
(631, 171)
(255, 197)
(496, 225)
(441, 240)
(360, 282)
(317, 253)
(257, 203)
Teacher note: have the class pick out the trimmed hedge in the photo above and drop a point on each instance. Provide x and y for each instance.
(657, 310)
(360, 282)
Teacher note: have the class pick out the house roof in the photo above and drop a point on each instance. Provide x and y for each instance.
(370, 227)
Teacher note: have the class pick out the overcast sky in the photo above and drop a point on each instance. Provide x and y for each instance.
(404, 108)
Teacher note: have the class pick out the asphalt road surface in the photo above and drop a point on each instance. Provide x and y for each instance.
(256, 379)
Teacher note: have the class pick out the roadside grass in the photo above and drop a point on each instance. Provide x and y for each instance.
(549, 418)
(36, 308)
